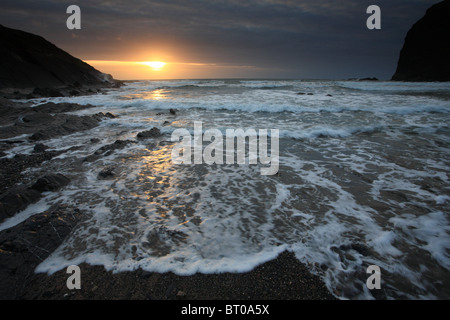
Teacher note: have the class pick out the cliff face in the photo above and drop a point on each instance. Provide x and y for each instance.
(28, 60)
(425, 55)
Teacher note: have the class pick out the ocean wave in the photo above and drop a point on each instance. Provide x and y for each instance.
(225, 86)
(394, 86)
(329, 132)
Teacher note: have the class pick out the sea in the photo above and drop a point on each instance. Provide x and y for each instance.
(362, 180)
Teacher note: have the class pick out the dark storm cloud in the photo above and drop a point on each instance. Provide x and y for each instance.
(306, 38)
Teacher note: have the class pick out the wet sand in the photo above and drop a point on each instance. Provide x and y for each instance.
(284, 278)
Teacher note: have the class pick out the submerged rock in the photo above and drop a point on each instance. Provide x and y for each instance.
(39, 148)
(50, 182)
(27, 244)
(15, 200)
(107, 173)
(108, 149)
(152, 133)
(59, 125)
(100, 116)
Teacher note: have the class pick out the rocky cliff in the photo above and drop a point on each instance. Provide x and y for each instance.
(425, 55)
(30, 61)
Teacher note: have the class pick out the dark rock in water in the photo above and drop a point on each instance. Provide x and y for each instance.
(100, 116)
(368, 79)
(95, 140)
(165, 143)
(152, 133)
(30, 61)
(34, 119)
(118, 144)
(108, 149)
(51, 107)
(51, 182)
(27, 244)
(45, 121)
(59, 125)
(173, 111)
(39, 148)
(15, 200)
(107, 173)
(11, 168)
(358, 247)
(426, 51)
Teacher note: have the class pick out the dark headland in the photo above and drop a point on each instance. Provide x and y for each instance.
(425, 55)
(32, 67)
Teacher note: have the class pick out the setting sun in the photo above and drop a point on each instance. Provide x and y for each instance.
(155, 65)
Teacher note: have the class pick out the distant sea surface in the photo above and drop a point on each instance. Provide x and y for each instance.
(363, 180)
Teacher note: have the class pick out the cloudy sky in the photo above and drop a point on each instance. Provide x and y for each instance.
(225, 39)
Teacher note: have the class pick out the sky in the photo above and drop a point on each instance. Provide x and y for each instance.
(277, 39)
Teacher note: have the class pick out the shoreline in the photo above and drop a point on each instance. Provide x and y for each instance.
(283, 278)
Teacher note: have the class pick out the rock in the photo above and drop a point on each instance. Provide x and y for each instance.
(27, 244)
(47, 92)
(18, 198)
(181, 294)
(118, 144)
(50, 182)
(108, 149)
(51, 107)
(11, 168)
(95, 140)
(173, 111)
(358, 247)
(426, 50)
(39, 148)
(44, 121)
(368, 79)
(100, 116)
(60, 125)
(15, 200)
(107, 173)
(152, 133)
(30, 61)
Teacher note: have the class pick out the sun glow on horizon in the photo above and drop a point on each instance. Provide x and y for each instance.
(155, 65)
(157, 69)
